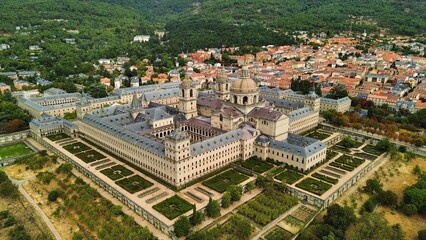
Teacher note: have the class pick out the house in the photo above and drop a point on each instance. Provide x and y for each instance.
(4, 46)
(4, 87)
(70, 41)
(35, 48)
(134, 81)
(141, 38)
(105, 81)
(42, 82)
(19, 84)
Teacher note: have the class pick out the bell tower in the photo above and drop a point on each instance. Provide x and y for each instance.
(222, 85)
(83, 106)
(188, 97)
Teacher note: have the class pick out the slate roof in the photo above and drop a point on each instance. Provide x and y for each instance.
(161, 94)
(283, 103)
(265, 113)
(334, 101)
(144, 142)
(300, 113)
(216, 142)
(299, 145)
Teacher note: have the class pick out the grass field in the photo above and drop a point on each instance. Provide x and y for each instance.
(134, 184)
(256, 164)
(314, 186)
(14, 150)
(58, 137)
(173, 207)
(222, 181)
(289, 176)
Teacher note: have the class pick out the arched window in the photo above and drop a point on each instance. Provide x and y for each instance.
(221, 117)
(227, 87)
(183, 92)
(254, 99)
(191, 93)
(235, 99)
(245, 100)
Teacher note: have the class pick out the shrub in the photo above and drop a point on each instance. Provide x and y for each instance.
(236, 192)
(182, 226)
(9, 222)
(409, 209)
(53, 196)
(387, 198)
(370, 204)
(226, 200)
(422, 234)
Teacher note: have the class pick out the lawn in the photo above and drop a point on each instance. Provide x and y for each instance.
(134, 184)
(58, 137)
(256, 164)
(318, 135)
(356, 144)
(14, 150)
(222, 181)
(278, 233)
(76, 147)
(372, 149)
(267, 206)
(90, 156)
(173, 207)
(314, 186)
(289, 176)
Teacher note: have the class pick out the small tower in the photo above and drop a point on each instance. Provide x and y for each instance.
(188, 98)
(135, 106)
(83, 106)
(177, 143)
(222, 85)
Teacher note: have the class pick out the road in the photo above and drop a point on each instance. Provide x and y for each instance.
(36, 207)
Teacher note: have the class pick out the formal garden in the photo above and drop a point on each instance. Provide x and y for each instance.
(267, 206)
(90, 156)
(372, 150)
(366, 156)
(314, 186)
(134, 184)
(330, 154)
(351, 161)
(116, 172)
(173, 207)
(289, 176)
(221, 182)
(325, 178)
(57, 137)
(14, 150)
(278, 233)
(318, 135)
(256, 164)
(76, 147)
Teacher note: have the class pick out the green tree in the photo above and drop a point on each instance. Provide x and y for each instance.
(182, 226)
(213, 208)
(421, 235)
(250, 186)
(387, 198)
(196, 217)
(384, 145)
(373, 226)
(347, 142)
(409, 209)
(373, 186)
(226, 200)
(337, 92)
(53, 195)
(19, 233)
(236, 192)
(339, 217)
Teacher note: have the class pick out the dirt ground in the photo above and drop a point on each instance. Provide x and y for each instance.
(25, 215)
(395, 176)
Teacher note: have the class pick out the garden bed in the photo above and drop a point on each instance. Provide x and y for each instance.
(372, 150)
(366, 156)
(134, 184)
(330, 154)
(340, 149)
(222, 181)
(58, 137)
(289, 176)
(267, 206)
(318, 135)
(116, 172)
(256, 164)
(173, 207)
(349, 160)
(90, 156)
(314, 186)
(278, 233)
(325, 178)
(342, 166)
(76, 147)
